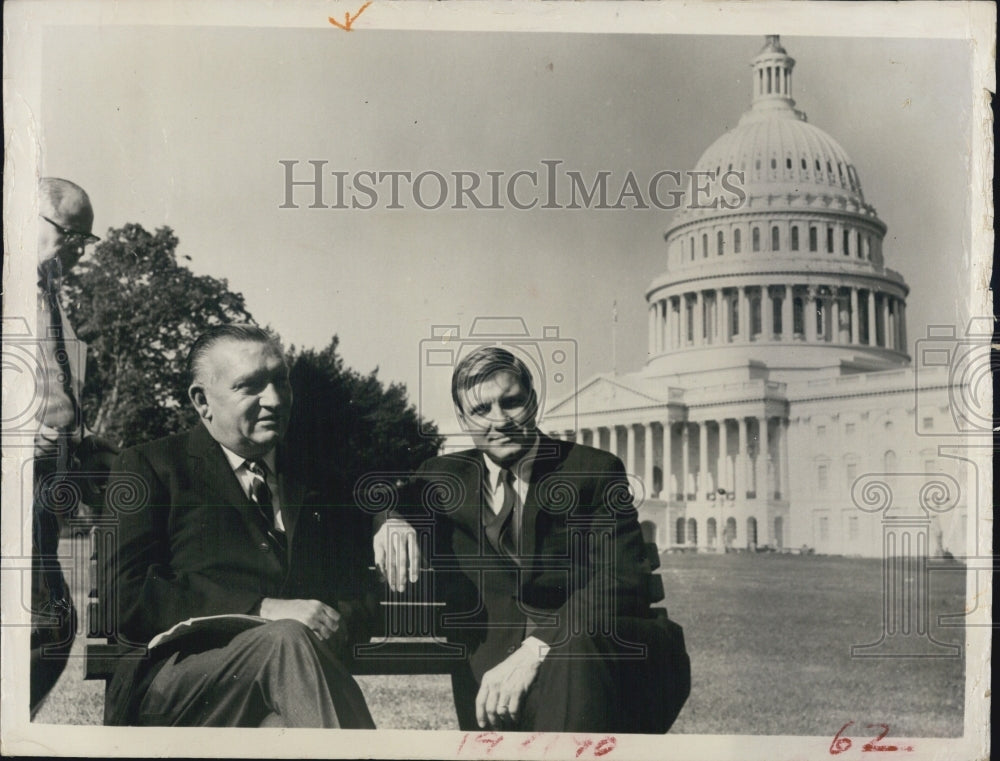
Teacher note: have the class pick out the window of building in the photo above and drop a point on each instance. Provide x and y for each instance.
(857, 244)
(689, 314)
(851, 470)
(720, 243)
(889, 461)
(776, 309)
(849, 429)
(734, 315)
(824, 528)
(704, 245)
(930, 466)
(755, 235)
(736, 241)
(692, 248)
(820, 431)
(804, 165)
(928, 423)
(795, 237)
(847, 242)
(812, 238)
(798, 322)
(829, 239)
(774, 163)
(822, 477)
(775, 239)
(853, 528)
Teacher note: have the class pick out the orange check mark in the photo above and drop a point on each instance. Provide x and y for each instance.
(348, 18)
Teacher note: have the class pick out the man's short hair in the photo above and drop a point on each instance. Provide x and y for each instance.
(235, 331)
(484, 363)
(53, 190)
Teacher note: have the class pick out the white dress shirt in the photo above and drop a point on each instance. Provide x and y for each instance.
(246, 478)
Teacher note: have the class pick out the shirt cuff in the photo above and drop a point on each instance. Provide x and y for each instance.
(537, 647)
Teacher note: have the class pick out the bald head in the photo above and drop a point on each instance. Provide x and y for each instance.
(67, 221)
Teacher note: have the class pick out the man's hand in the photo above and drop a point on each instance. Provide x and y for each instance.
(397, 555)
(321, 618)
(502, 692)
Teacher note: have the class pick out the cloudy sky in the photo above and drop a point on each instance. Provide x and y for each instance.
(186, 126)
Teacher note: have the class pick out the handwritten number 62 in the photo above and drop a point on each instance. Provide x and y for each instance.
(840, 744)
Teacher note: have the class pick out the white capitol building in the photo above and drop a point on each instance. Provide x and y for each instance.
(779, 380)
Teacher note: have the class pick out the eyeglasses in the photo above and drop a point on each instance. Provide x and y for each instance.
(70, 234)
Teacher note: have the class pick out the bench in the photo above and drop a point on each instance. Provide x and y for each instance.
(405, 646)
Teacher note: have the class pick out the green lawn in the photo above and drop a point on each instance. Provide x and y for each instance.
(769, 638)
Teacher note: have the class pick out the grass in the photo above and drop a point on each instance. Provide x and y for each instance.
(769, 638)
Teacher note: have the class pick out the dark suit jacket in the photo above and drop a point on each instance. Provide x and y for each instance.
(191, 546)
(583, 557)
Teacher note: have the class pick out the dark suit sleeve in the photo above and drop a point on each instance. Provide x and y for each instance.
(149, 594)
(606, 575)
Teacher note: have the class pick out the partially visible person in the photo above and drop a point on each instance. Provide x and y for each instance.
(225, 527)
(62, 445)
(538, 553)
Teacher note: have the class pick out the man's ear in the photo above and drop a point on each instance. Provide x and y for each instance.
(200, 401)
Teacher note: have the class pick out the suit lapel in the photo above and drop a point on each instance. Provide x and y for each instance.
(214, 474)
(549, 460)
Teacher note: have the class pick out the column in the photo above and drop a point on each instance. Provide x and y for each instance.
(902, 327)
(666, 463)
(647, 459)
(662, 313)
(654, 333)
(684, 319)
(809, 314)
(855, 335)
(685, 458)
(885, 320)
(743, 304)
(741, 460)
(835, 317)
(872, 331)
(727, 319)
(763, 455)
(630, 448)
(699, 318)
(782, 431)
(702, 459)
(717, 319)
(766, 313)
(787, 323)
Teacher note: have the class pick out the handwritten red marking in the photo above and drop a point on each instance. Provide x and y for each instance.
(348, 18)
(530, 740)
(605, 746)
(582, 745)
(840, 744)
(462, 744)
(492, 739)
(873, 745)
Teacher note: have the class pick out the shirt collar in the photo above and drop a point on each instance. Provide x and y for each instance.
(521, 469)
(236, 462)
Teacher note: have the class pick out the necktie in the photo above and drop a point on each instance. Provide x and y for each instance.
(260, 495)
(498, 532)
(56, 334)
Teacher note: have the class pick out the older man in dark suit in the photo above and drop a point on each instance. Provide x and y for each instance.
(537, 550)
(223, 526)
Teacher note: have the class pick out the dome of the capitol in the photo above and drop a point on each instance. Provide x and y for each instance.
(775, 153)
(775, 263)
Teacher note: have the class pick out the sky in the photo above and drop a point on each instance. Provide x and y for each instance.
(186, 126)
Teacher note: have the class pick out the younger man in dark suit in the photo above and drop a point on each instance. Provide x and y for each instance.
(223, 526)
(536, 547)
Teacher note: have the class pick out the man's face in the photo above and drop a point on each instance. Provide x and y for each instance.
(63, 234)
(244, 397)
(499, 414)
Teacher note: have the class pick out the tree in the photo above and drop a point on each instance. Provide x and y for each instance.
(348, 425)
(139, 310)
